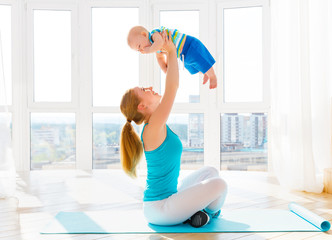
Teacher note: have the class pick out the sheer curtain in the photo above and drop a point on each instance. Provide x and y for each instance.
(7, 169)
(301, 80)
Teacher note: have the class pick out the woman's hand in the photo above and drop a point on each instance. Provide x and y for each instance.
(168, 43)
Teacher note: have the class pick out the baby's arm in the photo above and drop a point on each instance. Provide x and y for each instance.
(158, 42)
(162, 61)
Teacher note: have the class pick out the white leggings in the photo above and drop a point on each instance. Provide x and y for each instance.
(203, 189)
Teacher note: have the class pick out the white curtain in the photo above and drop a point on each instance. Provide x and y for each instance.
(301, 80)
(7, 169)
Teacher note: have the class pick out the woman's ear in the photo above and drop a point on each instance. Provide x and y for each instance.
(141, 107)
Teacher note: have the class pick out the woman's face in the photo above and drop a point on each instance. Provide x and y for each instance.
(147, 96)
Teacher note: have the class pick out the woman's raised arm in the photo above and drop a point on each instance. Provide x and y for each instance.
(160, 116)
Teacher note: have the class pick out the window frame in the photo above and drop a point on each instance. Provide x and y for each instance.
(244, 106)
(9, 3)
(81, 104)
(85, 156)
(15, 109)
(186, 108)
(203, 13)
(86, 50)
(31, 6)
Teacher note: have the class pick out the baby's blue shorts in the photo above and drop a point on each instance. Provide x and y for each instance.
(197, 57)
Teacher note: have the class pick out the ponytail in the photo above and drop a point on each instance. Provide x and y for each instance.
(131, 147)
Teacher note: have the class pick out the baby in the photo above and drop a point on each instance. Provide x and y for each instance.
(195, 56)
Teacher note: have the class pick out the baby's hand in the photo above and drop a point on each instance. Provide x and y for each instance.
(168, 43)
(146, 50)
(156, 46)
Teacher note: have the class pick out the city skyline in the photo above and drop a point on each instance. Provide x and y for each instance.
(242, 128)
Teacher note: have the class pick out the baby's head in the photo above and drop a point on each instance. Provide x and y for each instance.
(138, 38)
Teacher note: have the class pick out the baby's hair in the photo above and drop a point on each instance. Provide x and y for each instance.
(134, 31)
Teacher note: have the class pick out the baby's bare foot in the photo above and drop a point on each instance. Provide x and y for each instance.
(205, 78)
(213, 82)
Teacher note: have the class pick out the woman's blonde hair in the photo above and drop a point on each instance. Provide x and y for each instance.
(131, 147)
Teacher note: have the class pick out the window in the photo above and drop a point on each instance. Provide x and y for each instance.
(52, 56)
(71, 61)
(243, 141)
(115, 65)
(106, 139)
(243, 55)
(6, 119)
(243, 101)
(5, 48)
(190, 129)
(53, 141)
(187, 117)
(186, 22)
(115, 69)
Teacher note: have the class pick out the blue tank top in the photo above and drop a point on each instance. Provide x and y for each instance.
(163, 168)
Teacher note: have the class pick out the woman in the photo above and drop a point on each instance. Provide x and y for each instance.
(200, 196)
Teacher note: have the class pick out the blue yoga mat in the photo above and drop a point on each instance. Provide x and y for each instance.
(296, 219)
